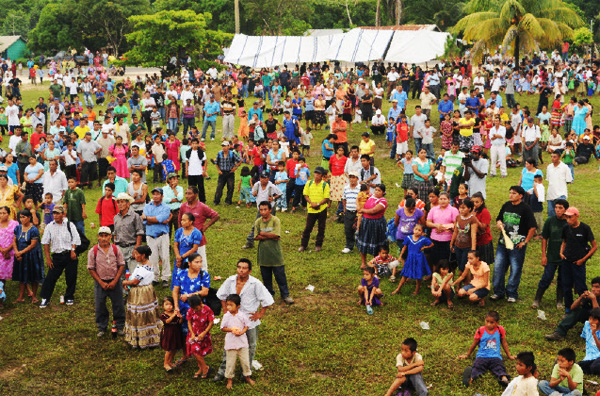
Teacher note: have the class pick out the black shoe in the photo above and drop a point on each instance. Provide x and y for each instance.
(218, 378)
(466, 378)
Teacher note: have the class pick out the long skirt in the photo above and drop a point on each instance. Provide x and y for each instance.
(142, 320)
(336, 185)
(371, 235)
(423, 189)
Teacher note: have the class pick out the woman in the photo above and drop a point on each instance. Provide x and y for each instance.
(172, 148)
(367, 147)
(327, 150)
(12, 169)
(338, 180)
(34, 177)
(485, 246)
(119, 152)
(423, 169)
(275, 155)
(320, 118)
(378, 97)
(434, 200)
(405, 220)
(528, 173)
(188, 282)
(441, 220)
(7, 237)
(555, 142)
(366, 106)
(49, 153)
(556, 114)
(26, 122)
(142, 320)
(373, 227)
(172, 114)
(579, 123)
(10, 196)
(569, 111)
(28, 268)
(187, 241)
(588, 116)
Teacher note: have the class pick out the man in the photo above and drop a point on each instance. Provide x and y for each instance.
(551, 241)
(378, 123)
(417, 121)
(263, 191)
(497, 136)
(211, 110)
(558, 175)
(137, 162)
(227, 163)
(509, 90)
(106, 265)
(136, 127)
(445, 107)
(201, 213)
(156, 217)
(105, 141)
(392, 77)
(254, 294)
(353, 163)
(349, 196)
(59, 242)
(494, 99)
(452, 160)
(340, 129)
(23, 150)
(38, 118)
(584, 151)
(400, 96)
(129, 229)
(316, 194)
(83, 127)
(228, 108)
(530, 136)
(270, 256)
(55, 182)
(88, 151)
(479, 82)
(516, 219)
(255, 110)
(119, 182)
(433, 79)
(545, 93)
(476, 170)
(427, 101)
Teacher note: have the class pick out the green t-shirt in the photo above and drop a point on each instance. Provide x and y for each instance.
(457, 178)
(122, 110)
(568, 156)
(133, 127)
(269, 251)
(74, 199)
(246, 181)
(55, 89)
(576, 376)
(552, 231)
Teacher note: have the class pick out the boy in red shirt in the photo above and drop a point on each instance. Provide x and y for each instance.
(402, 129)
(258, 155)
(107, 207)
(290, 168)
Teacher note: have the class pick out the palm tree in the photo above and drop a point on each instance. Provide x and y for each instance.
(523, 24)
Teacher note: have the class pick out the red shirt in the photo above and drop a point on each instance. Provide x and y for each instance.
(484, 236)
(201, 212)
(107, 209)
(337, 165)
(34, 139)
(290, 167)
(257, 155)
(402, 132)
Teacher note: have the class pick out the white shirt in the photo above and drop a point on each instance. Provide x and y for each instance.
(12, 143)
(253, 295)
(213, 73)
(352, 165)
(530, 133)
(393, 76)
(498, 131)
(110, 128)
(58, 236)
(378, 120)
(558, 177)
(122, 130)
(417, 122)
(12, 115)
(68, 159)
(185, 95)
(55, 184)
(479, 82)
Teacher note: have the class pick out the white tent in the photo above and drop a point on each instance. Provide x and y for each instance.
(360, 45)
(416, 46)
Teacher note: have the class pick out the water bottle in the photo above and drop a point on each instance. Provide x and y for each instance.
(114, 330)
(62, 300)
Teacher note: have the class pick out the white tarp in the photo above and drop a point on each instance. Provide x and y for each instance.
(360, 45)
(416, 46)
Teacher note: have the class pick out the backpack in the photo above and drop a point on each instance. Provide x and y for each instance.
(113, 201)
(371, 172)
(310, 183)
(95, 250)
(85, 243)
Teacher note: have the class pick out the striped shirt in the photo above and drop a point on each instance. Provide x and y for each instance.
(349, 195)
(451, 162)
(59, 237)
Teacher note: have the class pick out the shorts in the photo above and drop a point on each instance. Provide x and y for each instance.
(309, 115)
(298, 116)
(389, 136)
(347, 117)
(481, 293)
(305, 146)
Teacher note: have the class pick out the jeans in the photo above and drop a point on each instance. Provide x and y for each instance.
(504, 259)
(418, 145)
(461, 257)
(298, 196)
(572, 170)
(267, 274)
(429, 148)
(225, 178)
(252, 335)
(551, 211)
(172, 124)
(87, 97)
(590, 366)
(548, 276)
(349, 219)
(510, 100)
(573, 276)
(188, 123)
(205, 124)
(80, 225)
(61, 262)
(267, 92)
(118, 307)
(311, 219)
(544, 387)
(161, 111)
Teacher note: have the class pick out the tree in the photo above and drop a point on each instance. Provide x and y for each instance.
(279, 17)
(222, 12)
(522, 24)
(55, 29)
(443, 13)
(155, 38)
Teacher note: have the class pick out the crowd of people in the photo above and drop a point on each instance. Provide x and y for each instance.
(124, 131)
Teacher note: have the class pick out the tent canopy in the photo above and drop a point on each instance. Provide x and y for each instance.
(416, 46)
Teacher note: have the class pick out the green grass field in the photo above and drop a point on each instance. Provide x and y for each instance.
(324, 344)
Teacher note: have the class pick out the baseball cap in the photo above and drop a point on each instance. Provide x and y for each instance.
(58, 209)
(104, 230)
(158, 190)
(172, 175)
(354, 174)
(394, 100)
(586, 138)
(264, 174)
(572, 211)
(378, 111)
(320, 170)
(476, 149)
(224, 143)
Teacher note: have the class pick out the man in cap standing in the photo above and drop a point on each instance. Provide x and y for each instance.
(316, 193)
(227, 162)
(129, 229)
(156, 216)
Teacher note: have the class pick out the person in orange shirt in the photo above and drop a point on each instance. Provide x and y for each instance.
(340, 129)
(91, 116)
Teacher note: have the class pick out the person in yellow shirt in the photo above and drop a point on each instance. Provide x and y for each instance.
(83, 127)
(316, 193)
(367, 146)
(465, 126)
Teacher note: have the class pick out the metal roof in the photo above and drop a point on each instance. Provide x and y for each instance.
(7, 41)
(432, 28)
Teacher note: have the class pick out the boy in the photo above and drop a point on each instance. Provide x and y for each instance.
(389, 134)
(290, 167)
(489, 338)
(167, 167)
(107, 207)
(158, 151)
(567, 376)
(538, 197)
(591, 331)
(410, 367)
(70, 156)
(235, 324)
(302, 176)
(281, 180)
(402, 129)
(74, 202)
(427, 133)
(305, 138)
(384, 264)
(47, 206)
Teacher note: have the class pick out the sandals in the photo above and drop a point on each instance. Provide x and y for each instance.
(450, 306)
(180, 362)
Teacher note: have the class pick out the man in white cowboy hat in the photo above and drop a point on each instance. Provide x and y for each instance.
(129, 229)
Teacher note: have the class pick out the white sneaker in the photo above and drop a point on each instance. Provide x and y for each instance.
(283, 209)
(511, 300)
(278, 210)
(346, 250)
(44, 303)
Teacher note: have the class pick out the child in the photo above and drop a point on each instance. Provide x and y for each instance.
(591, 332)
(489, 338)
(185, 147)
(302, 176)
(167, 166)
(330, 111)
(47, 206)
(29, 204)
(567, 376)
(545, 129)
(171, 337)
(402, 130)
(107, 207)
(155, 117)
(464, 237)
(281, 180)
(463, 192)
(245, 188)
(384, 264)
(305, 138)
(427, 133)
(200, 320)
(244, 129)
(415, 265)
(3, 121)
(369, 292)
(408, 175)
(357, 116)
(158, 152)
(70, 157)
(389, 133)
(537, 203)
(361, 200)
(567, 157)
(441, 284)
(410, 367)
(235, 324)
(526, 384)
(479, 287)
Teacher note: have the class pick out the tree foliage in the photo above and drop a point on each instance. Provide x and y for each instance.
(583, 36)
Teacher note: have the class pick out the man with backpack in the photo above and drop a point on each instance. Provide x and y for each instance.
(316, 193)
(263, 190)
(106, 264)
(227, 162)
(291, 128)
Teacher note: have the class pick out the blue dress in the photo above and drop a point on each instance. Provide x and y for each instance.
(186, 243)
(415, 266)
(579, 123)
(187, 286)
(30, 269)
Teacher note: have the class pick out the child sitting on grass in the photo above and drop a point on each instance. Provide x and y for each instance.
(567, 376)
(385, 264)
(479, 287)
(415, 265)
(526, 384)
(369, 292)
(441, 284)
(591, 333)
(410, 368)
(489, 338)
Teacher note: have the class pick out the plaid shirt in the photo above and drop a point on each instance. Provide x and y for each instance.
(227, 162)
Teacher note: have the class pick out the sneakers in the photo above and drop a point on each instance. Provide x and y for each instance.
(511, 300)
(346, 250)
(495, 297)
(392, 279)
(44, 303)
(536, 304)
(301, 249)
(69, 302)
(247, 246)
(283, 209)
(100, 333)
(556, 336)
(278, 210)
(288, 300)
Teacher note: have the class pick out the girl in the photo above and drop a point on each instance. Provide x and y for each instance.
(415, 265)
(464, 238)
(463, 193)
(369, 292)
(526, 384)
(408, 175)
(142, 322)
(28, 268)
(441, 284)
(200, 320)
(485, 246)
(171, 338)
(245, 188)
(479, 287)
(446, 130)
